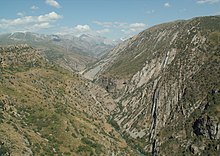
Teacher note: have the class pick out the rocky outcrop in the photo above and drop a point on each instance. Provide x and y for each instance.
(168, 72)
(207, 127)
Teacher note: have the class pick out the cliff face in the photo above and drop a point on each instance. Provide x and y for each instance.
(46, 110)
(160, 91)
(166, 84)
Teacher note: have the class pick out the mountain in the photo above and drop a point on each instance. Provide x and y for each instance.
(93, 45)
(165, 82)
(157, 93)
(71, 52)
(47, 110)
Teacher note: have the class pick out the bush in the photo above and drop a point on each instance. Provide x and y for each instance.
(83, 148)
(114, 124)
(4, 151)
(96, 146)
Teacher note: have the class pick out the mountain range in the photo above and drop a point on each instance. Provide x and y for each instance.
(69, 51)
(157, 93)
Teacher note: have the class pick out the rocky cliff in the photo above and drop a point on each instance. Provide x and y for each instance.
(166, 84)
(159, 95)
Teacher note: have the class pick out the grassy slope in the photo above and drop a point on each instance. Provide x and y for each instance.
(45, 109)
(134, 56)
(51, 50)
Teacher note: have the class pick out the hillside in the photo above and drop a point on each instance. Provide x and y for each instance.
(157, 93)
(46, 110)
(165, 82)
(70, 52)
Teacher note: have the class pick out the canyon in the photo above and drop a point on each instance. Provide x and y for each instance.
(157, 93)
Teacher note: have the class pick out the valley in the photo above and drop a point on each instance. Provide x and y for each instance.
(70, 52)
(47, 110)
(156, 93)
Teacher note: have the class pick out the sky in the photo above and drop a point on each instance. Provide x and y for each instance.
(114, 19)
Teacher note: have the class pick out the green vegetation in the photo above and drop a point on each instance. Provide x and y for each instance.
(47, 110)
(214, 38)
(4, 151)
(53, 55)
(114, 124)
(86, 149)
(51, 111)
(97, 147)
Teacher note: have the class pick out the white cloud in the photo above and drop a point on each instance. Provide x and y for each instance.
(53, 3)
(123, 27)
(103, 31)
(111, 24)
(53, 16)
(137, 25)
(41, 26)
(104, 24)
(167, 5)
(30, 22)
(20, 14)
(18, 21)
(34, 7)
(77, 30)
(133, 28)
(207, 1)
(82, 28)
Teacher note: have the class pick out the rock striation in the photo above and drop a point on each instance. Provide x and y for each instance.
(165, 82)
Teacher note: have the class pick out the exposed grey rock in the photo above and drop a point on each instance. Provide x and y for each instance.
(166, 92)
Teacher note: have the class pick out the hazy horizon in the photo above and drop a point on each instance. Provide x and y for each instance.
(112, 19)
